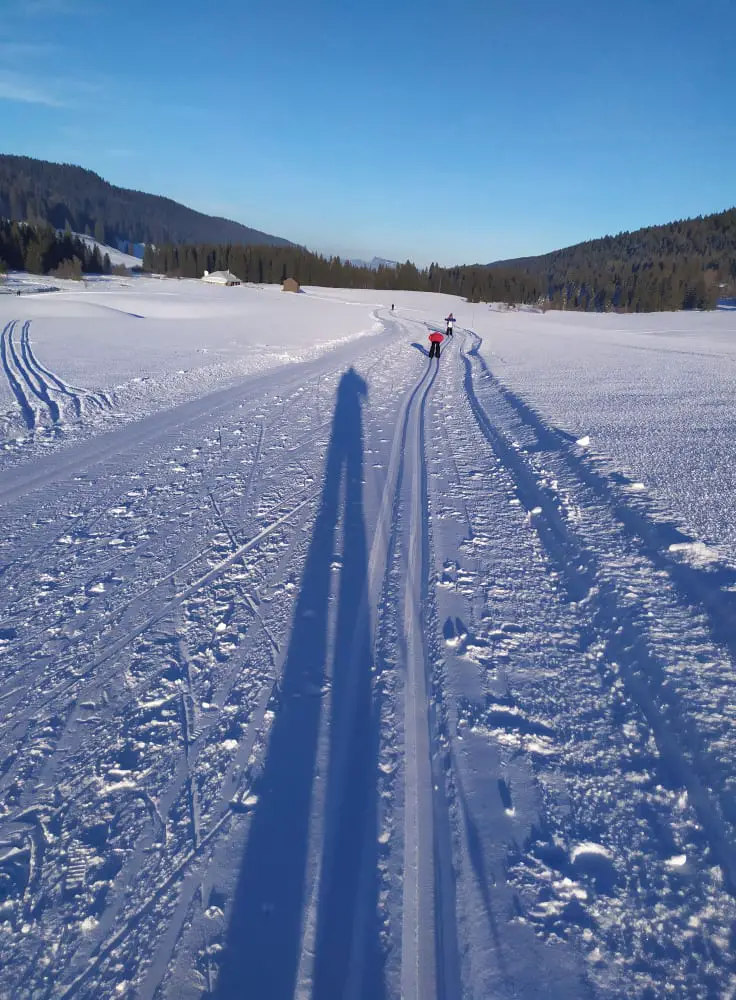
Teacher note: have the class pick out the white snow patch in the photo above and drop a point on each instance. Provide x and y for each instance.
(696, 553)
(677, 861)
(587, 848)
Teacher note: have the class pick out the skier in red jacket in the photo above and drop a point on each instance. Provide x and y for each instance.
(435, 339)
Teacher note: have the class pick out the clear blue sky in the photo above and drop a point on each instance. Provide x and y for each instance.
(453, 131)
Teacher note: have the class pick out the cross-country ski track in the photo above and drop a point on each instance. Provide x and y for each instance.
(357, 679)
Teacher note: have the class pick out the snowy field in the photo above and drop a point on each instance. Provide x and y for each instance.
(327, 671)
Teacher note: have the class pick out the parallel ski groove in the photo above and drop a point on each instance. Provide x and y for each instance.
(35, 383)
(620, 633)
(419, 960)
(29, 414)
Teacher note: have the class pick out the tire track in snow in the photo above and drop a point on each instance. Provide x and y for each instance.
(613, 624)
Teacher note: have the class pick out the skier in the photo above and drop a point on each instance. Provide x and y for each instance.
(450, 320)
(435, 339)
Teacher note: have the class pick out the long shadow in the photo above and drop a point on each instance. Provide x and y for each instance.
(347, 947)
(422, 348)
(264, 939)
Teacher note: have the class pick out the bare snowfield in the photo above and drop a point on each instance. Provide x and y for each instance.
(329, 671)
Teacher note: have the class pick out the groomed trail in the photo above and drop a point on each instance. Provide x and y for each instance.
(356, 680)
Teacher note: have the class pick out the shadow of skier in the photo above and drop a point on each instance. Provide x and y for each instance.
(264, 939)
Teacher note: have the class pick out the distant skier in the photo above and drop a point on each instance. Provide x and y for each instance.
(435, 339)
(392, 307)
(450, 320)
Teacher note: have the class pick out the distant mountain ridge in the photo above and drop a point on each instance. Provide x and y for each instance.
(373, 264)
(67, 196)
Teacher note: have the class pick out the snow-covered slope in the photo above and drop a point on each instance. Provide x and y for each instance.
(353, 674)
(117, 257)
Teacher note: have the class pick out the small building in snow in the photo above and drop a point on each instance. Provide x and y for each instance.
(220, 278)
(291, 285)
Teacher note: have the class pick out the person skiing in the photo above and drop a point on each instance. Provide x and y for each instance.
(450, 320)
(435, 339)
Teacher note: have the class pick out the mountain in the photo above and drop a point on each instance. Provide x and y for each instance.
(688, 264)
(710, 240)
(374, 264)
(71, 197)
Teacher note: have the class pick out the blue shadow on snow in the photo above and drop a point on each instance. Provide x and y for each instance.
(275, 885)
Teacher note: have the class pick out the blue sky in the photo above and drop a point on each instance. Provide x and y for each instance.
(452, 131)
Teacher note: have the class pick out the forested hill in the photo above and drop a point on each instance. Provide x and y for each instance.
(709, 239)
(70, 197)
(685, 264)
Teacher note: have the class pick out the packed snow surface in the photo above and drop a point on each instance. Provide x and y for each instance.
(330, 671)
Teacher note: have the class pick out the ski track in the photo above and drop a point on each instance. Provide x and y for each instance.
(523, 716)
(630, 642)
(30, 380)
(98, 398)
(14, 376)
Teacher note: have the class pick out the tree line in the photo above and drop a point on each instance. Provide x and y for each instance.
(42, 250)
(664, 283)
(686, 264)
(268, 264)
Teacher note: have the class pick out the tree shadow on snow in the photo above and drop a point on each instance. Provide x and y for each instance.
(264, 940)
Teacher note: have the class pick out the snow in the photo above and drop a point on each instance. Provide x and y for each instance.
(117, 257)
(327, 670)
